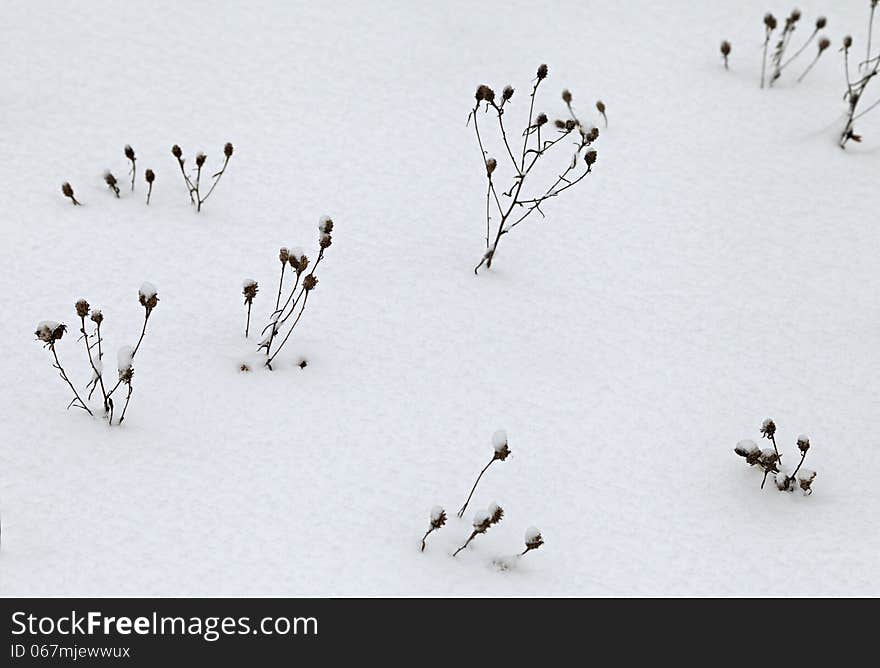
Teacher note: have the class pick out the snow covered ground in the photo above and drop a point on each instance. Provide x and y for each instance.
(719, 267)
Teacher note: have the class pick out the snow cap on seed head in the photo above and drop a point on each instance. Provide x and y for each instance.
(148, 296)
(438, 517)
(482, 521)
(533, 539)
(499, 442)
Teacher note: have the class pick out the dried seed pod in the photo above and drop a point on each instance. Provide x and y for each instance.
(821, 22)
(200, 159)
(824, 43)
(283, 255)
(176, 152)
(499, 443)
(507, 93)
(803, 443)
(566, 96)
(590, 157)
(491, 164)
(542, 72)
(533, 539)
(309, 282)
(97, 317)
(847, 41)
(82, 308)
(129, 153)
(149, 176)
(541, 120)
(770, 21)
(227, 150)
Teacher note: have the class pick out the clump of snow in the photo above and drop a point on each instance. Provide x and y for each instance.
(806, 474)
(248, 282)
(499, 440)
(768, 452)
(323, 223)
(124, 358)
(297, 253)
(481, 517)
(532, 534)
(436, 512)
(746, 446)
(147, 290)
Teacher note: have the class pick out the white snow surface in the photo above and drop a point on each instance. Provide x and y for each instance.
(719, 265)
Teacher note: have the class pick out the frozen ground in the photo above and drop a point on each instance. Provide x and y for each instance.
(719, 267)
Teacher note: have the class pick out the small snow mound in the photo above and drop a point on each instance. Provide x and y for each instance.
(436, 512)
(806, 474)
(148, 290)
(480, 518)
(499, 440)
(532, 534)
(248, 282)
(747, 446)
(124, 358)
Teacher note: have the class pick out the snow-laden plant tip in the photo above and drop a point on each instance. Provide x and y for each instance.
(500, 452)
(778, 60)
(50, 332)
(855, 88)
(194, 182)
(513, 205)
(438, 519)
(297, 290)
(769, 460)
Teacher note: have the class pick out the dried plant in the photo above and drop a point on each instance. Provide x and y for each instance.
(298, 293)
(67, 191)
(855, 88)
(111, 182)
(129, 153)
(500, 453)
(778, 60)
(249, 290)
(149, 177)
(194, 184)
(769, 27)
(770, 461)
(533, 540)
(483, 520)
(725, 52)
(50, 332)
(517, 206)
(438, 519)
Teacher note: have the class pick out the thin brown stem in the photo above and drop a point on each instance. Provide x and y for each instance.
(247, 326)
(466, 543)
(64, 377)
(289, 332)
(98, 374)
(464, 507)
(125, 407)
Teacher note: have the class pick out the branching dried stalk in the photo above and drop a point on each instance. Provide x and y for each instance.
(517, 208)
(298, 294)
(50, 333)
(770, 461)
(194, 185)
(855, 88)
(500, 453)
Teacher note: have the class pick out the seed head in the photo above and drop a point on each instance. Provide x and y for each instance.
(821, 22)
(542, 72)
(559, 123)
(149, 176)
(533, 539)
(847, 41)
(129, 153)
(227, 150)
(768, 428)
(299, 263)
(250, 290)
(770, 21)
(438, 517)
(309, 282)
(824, 43)
(570, 124)
(484, 93)
(176, 152)
(496, 513)
(109, 179)
(541, 120)
(600, 106)
(795, 15)
(725, 48)
(803, 443)
(566, 96)
(325, 224)
(50, 332)
(590, 157)
(491, 164)
(507, 93)
(97, 317)
(325, 241)
(82, 308)
(148, 296)
(67, 189)
(283, 255)
(200, 159)
(482, 521)
(499, 443)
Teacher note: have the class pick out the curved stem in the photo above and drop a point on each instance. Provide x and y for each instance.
(289, 332)
(67, 380)
(464, 507)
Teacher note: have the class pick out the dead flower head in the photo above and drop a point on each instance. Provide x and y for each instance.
(82, 308)
(148, 296)
(49, 331)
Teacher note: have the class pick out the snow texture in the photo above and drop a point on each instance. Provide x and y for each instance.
(719, 265)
